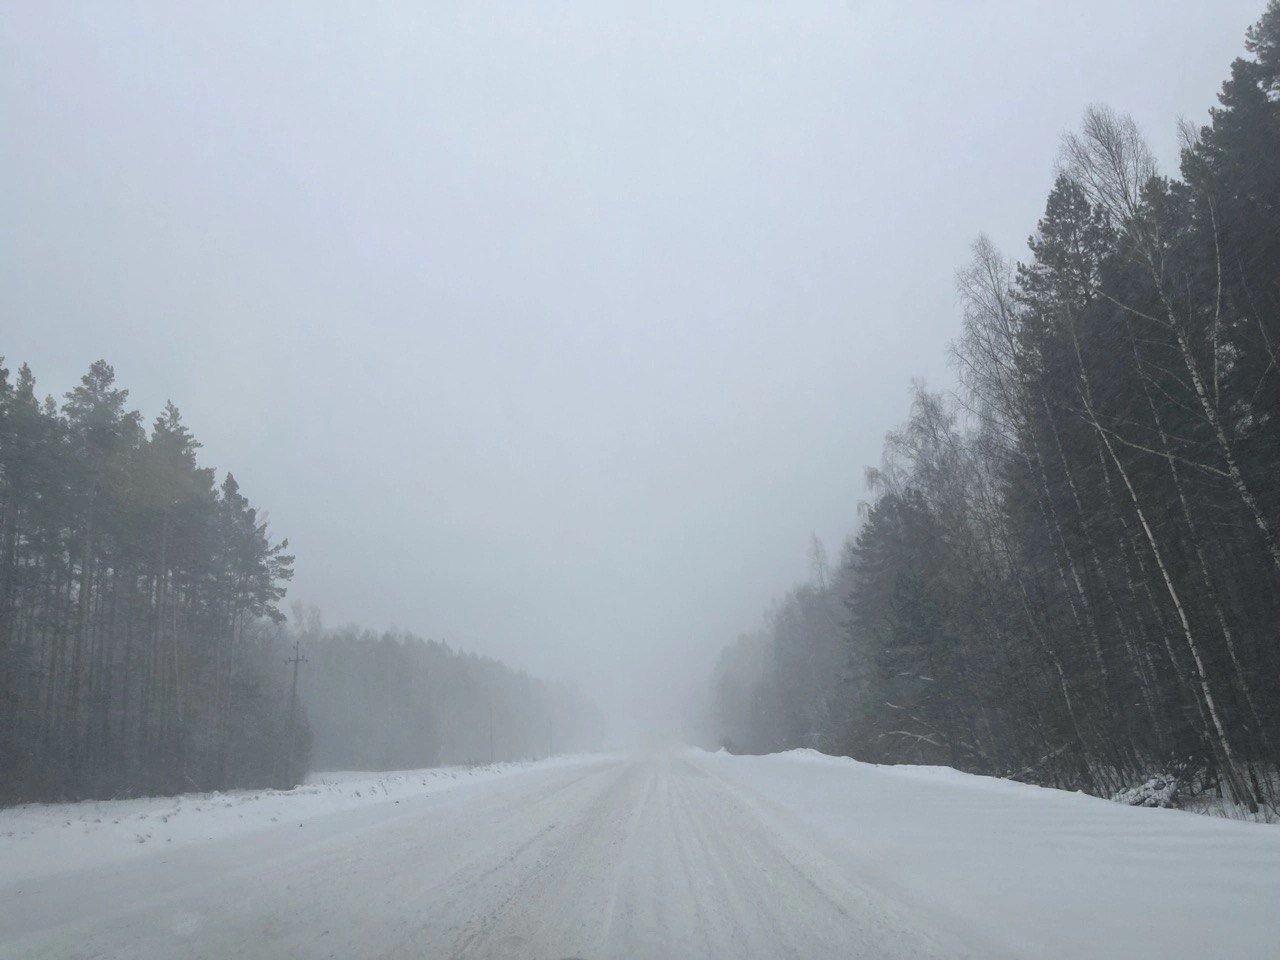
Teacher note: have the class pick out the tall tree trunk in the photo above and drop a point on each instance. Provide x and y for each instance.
(81, 636)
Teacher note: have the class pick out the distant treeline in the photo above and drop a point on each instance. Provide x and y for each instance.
(395, 701)
(142, 648)
(1069, 572)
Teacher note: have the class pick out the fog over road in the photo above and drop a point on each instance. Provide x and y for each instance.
(678, 854)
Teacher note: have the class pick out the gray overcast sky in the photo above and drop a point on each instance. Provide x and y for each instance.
(552, 334)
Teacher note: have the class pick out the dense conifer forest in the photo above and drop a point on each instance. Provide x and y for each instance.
(1068, 571)
(142, 645)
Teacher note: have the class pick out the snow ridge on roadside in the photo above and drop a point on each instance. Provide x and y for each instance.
(39, 839)
(1049, 872)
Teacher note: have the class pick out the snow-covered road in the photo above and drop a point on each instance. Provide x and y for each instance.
(667, 855)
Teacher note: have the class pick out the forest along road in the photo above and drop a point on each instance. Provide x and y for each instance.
(675, 855)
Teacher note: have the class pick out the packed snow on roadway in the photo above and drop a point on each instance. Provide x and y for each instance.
(917, 861)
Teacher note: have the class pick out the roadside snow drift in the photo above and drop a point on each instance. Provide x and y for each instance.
(1050, 873)
(40, 839)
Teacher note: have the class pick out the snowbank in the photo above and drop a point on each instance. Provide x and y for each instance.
(42, 839)
(1050, 873)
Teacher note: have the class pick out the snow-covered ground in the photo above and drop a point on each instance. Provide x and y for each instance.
(39, 839)
(678, 854)
(1045, 872)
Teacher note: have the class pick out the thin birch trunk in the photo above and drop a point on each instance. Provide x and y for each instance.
(1223, 741)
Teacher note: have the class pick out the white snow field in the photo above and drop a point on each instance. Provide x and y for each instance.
(679, 854)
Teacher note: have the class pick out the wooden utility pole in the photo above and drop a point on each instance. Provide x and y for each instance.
(491, 757)
(297, 660)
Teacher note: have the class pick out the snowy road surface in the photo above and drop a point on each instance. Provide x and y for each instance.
(663, 855)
